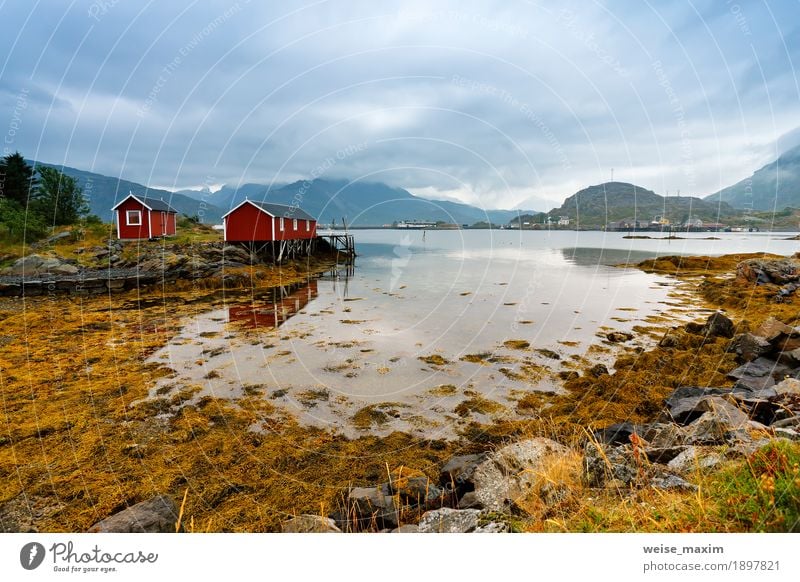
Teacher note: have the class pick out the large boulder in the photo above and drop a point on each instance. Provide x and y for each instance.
(27, 265)
(718, 325)
(446, 520)
(156, 515)
(509, 473)
(749, 346)
(310, 524)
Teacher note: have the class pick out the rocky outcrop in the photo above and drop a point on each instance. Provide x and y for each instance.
(156, 515)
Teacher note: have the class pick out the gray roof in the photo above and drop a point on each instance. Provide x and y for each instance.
(281, 210)
(157, 204)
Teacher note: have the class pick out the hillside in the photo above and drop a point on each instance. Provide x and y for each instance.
(774, 187)
(360, 203)
(603, 203)
(103, 192)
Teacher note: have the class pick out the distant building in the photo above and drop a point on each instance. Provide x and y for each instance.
(563, 221)
(693, 223)
(415, 224)
(144, 218)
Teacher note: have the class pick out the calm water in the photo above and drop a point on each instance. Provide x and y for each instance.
(327, 349)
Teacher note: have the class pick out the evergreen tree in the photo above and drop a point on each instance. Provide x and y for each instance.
(59, 199)
(17, 179)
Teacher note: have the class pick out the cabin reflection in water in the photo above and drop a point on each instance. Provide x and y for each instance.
(280, 304)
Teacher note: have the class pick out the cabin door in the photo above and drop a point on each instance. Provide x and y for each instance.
(163, 224)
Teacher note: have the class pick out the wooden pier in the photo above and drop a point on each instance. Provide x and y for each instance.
(278, 251)
(340, 242)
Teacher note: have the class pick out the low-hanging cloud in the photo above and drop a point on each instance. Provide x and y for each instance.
(493, 103)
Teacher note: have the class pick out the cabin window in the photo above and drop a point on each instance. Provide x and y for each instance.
(281, 223)
(308, 226)
(294, 224)
(134, 217)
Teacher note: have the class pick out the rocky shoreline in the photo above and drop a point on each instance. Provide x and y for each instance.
(36, 275)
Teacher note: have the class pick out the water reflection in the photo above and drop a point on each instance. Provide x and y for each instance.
(282, 303)
(593, 257)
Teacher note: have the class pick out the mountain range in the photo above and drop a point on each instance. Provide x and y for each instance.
(776, 186)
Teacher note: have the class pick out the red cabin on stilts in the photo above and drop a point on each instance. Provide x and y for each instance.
(263, 222)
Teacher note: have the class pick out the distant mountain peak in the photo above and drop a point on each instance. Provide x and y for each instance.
(775, 186)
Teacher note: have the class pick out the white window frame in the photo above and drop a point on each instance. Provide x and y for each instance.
(137, 214)
(282, 228)
(308, 226)
(294, 224)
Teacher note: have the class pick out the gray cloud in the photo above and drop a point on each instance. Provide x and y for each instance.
(494, 103)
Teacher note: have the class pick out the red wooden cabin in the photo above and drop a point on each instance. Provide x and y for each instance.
(262, 222)
(139, 218)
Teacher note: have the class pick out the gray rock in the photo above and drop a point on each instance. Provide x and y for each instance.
(789, 386)
(598, 370)
(27, 265)
(787, 433)
(683, 402)
(762, 271)
(156, 515)
(65, 269)
(619, 336)
(457, 472)
(509, 473)
(373, 506)
(447, 520)
(790, 422)
(716, 423)
(759, 374)
(772, 329)
(749, 346)
(693, 458)
(718, 325)
(310, 524)
(664, 435)
(668, 481)
(469, 501)
(790, 358)
(408, 528)
(602, 464)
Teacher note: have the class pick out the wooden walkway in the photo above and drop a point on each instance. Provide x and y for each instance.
(340, 243)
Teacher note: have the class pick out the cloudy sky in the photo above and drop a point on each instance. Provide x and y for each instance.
(498, 104)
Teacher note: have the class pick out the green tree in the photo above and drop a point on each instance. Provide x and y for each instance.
(59, 199)
(17, 224)
(17, 179)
